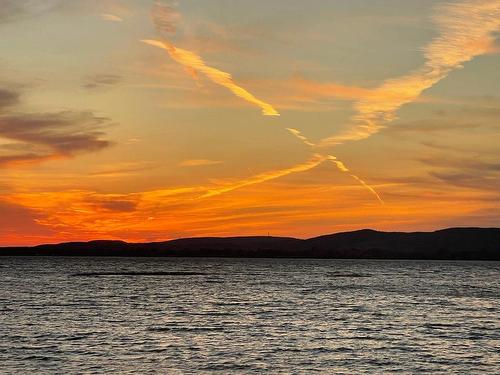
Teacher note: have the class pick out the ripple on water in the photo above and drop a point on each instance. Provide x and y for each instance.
(192, 316)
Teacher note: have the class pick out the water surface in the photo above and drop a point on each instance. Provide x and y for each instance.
(177, 315)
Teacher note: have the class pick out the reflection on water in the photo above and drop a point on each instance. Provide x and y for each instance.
(61, 315)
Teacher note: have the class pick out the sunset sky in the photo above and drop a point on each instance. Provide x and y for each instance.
(143, 121)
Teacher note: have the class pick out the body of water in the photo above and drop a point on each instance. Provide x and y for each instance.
(195, 316)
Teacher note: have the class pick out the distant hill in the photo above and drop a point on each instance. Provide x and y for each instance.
(452, 244)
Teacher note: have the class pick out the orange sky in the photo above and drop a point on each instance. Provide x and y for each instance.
(248, 119)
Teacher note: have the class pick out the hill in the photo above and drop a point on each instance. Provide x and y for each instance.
(452, 244)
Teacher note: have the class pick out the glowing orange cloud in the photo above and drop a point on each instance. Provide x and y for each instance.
(284, 208)
(466, 32)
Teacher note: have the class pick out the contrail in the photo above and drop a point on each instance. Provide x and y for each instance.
(297, 134)
(195, 63)
(340, 165)
(343, 168)
(267, 176)
(466, 31)
(164, 18)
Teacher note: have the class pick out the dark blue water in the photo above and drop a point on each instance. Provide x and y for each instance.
(248, 316)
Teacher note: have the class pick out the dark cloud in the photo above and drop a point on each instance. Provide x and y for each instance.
(123, 170)
(465, 172)
(165, 17)
(101, 80)
(429, 126)
(42, 136)
(8, 98)
(37, 137)
(474, 113)
(491, 112)
(462, 164)
(13, 10)
(469, 179)
(116, 205)
(474, 150)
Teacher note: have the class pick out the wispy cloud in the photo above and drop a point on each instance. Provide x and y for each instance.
(466, 31)
(8, 98)
(121, 169)
(343, 168)
(101, 80)
(199, 163)
(297, 134)
(195, 63)
(266, 176)
(111, 17)
(13, 10)
(165, 18)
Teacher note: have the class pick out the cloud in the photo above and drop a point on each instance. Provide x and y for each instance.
(340, 165)
(165, 18)
(199, 163)
(311, 89)
(8, 98)
(122, 169)
(195, 63)
(114, 205)
(465, 172)
(27, 138)
(466, 31)
(297, 134)
(469, 179)
(460, 149)
(430, 126)
(45, 136)
(13, 10)
(464, 164)
(111, 17)
(101, 80)
(266, 176)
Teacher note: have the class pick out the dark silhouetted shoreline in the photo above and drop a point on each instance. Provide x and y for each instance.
(446, 244)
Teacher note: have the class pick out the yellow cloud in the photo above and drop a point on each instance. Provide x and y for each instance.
(466, 31)
(195, 63)
(266, 176)
(111, 17)
(340, 165)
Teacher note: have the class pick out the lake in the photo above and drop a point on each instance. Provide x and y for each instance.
(195, 316)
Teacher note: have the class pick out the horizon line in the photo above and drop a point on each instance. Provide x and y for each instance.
(249, 236)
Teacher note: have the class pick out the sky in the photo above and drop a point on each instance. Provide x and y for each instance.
(142, 120)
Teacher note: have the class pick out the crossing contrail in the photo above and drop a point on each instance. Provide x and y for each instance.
(340, 165)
